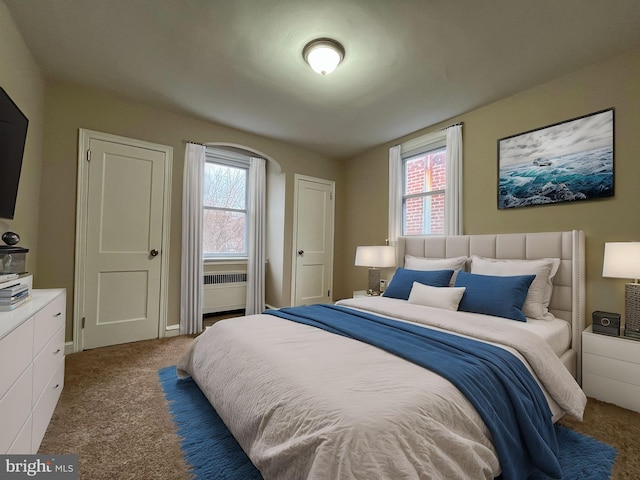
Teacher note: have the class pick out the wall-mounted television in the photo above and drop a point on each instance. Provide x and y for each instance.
(13, 134)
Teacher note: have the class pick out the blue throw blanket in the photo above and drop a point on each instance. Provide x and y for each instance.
(496, 383)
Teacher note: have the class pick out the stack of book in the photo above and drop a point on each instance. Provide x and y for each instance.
(13, 297)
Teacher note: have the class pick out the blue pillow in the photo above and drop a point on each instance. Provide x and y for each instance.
(491, 295)
(402, 281)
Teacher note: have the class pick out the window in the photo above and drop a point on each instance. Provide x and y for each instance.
(224, 231)
(425, 179)
(423, 196)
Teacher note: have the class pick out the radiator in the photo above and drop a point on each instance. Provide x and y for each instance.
(224, 291)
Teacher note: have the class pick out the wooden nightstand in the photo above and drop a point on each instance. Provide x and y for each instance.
(611, 369)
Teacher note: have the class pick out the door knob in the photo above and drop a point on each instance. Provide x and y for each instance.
(301, 252)
(153, 252)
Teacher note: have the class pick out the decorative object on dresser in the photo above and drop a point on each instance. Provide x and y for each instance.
(610, 369)
(375, 257)
(622, 260)
(13, 260)
(606, 323)
(32, 374)
(10, 238)
(13, 296)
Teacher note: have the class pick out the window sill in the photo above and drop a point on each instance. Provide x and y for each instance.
(225, 261)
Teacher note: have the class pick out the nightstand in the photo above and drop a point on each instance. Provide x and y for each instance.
(360, 293)
(611, 369)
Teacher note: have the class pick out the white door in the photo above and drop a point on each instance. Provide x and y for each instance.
(124, 229)
(313, 241)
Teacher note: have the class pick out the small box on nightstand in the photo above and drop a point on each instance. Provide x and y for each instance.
(606, 323)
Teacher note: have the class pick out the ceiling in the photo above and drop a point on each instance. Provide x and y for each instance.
(409, 63)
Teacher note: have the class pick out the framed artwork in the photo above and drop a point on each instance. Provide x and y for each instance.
(564, 162)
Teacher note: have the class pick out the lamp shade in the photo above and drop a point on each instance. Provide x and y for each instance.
(621, 260)
(376, 256)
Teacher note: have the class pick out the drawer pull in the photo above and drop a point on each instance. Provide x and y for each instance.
(58, 314)
(56, 352)
(57, 385)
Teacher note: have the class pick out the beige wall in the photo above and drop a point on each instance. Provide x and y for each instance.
(23, 82)
(612, 83)
(70, 107)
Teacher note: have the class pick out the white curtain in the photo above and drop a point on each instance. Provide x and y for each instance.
(192, 212)
(256, 223)
(395, 193)
(453, 191)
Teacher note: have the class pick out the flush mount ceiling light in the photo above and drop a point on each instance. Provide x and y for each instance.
(323, 55)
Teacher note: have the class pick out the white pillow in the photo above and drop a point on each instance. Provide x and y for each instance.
(439, 297)
(536, 305)
(424, 263)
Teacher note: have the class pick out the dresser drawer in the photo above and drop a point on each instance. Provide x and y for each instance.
(15, 409)
(22, 444)
(43, 410)
(48, 321)
(46, 363)
(15, 355)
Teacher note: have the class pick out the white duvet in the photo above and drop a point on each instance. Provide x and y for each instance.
(307, 404)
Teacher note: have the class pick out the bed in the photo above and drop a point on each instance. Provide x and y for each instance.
(306, 403)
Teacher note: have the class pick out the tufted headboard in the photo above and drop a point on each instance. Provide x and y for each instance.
(568, 299)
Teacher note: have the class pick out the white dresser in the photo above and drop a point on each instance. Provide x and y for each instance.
(31, 369)
(611, 369)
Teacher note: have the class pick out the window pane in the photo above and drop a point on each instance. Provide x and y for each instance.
(425, 172)
(223, 232)
(224, 186)
(423, 215)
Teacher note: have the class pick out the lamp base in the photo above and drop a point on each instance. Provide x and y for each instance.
(374, 281)
(632, 310)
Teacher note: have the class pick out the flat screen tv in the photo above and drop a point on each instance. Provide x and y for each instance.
(13, 134)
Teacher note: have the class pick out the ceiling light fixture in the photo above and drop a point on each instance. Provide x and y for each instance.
(323, 55)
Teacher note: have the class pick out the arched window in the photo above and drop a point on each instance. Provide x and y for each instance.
(224, 192)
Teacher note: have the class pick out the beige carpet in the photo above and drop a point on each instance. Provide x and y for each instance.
(112, 413)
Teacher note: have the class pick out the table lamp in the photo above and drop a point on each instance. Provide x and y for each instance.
(622, 260)
(375, 257)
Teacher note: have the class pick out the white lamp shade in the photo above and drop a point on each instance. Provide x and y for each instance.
(376, 256)
(621, 260)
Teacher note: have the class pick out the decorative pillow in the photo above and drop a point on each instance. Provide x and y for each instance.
(402, 281)
(499, 296)
(439, 297)
(425, 263)
(536, 304)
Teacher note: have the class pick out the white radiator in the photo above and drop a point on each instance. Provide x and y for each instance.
(224, 291)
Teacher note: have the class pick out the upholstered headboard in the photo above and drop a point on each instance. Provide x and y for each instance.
(568, 299)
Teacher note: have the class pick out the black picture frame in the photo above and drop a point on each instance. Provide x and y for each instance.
(564, 162)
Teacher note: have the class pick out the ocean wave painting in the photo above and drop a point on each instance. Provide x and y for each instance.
(561, 163)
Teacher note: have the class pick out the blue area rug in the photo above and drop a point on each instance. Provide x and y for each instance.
(214, 454)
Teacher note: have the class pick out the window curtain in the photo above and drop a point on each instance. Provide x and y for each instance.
(192, 260)
(395, 193)
(453, 191)
(256, 251)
